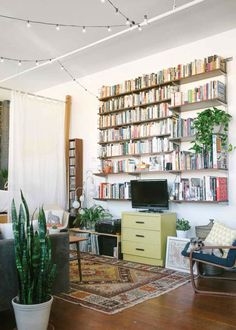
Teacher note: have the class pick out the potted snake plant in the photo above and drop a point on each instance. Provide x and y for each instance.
(34, 269)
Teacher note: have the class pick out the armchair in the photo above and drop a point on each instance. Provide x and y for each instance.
(228, 264)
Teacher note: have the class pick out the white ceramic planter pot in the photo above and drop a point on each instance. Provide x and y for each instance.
(182, 233)
(34, 317)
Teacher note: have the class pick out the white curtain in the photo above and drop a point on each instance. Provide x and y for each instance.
(37, 151)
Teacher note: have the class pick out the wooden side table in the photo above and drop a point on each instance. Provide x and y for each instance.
(76, 240)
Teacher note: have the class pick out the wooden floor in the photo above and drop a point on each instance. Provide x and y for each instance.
(178, 309)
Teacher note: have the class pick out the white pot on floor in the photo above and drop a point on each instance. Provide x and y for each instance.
(34, 317)
(182, 233)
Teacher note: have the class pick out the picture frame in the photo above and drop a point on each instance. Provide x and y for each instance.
(174, 259)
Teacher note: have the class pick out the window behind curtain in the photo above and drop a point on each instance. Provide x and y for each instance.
(4, 143)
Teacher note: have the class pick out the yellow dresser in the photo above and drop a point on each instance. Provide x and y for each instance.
(144, 236)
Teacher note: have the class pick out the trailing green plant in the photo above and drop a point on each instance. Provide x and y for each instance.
(33, 256)
(182, 224)
(91, 215)
(204, 125)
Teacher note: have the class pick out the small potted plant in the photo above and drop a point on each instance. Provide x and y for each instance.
(34, 269)
(209, 122)
(182, 227)
(87, 217)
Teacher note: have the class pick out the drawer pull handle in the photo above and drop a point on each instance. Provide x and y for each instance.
(142, 222)
(139, 235)
(139, 249)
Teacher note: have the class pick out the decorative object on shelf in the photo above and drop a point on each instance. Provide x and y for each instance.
(87, 217)
(35, 270)
(182, 227)
(206, 124)
(174, 259)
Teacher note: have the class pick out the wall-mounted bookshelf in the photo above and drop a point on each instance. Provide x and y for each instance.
(75, 169)
(157, 99)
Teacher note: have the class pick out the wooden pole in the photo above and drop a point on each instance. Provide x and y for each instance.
(67, 137)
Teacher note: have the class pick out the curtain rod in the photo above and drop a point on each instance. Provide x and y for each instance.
(31, 94)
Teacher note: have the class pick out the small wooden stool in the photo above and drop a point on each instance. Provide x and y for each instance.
(76, 240)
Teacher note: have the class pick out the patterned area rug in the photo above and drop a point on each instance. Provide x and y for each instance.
(109, 285)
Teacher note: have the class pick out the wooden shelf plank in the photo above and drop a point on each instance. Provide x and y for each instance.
(137, 155)
(198, 105)
(194, 201)
(135, 139)
(164, 172)
(112, 199)
(182, 139)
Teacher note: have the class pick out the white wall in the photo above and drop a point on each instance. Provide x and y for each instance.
(85, 108)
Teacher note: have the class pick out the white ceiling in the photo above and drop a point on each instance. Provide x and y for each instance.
(17, 41)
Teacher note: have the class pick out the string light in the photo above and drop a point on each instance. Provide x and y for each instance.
(59, 25)
(139, 27)
(84, 29)
(109, 29)
(19, 63)
(63, 68)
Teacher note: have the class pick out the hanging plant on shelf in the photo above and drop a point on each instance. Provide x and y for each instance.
(207, 123)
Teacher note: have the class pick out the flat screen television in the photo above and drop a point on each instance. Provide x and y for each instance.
(150, 195)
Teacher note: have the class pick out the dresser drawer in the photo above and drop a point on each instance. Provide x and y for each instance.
(152, 222)
(141, 249)
(142, 236)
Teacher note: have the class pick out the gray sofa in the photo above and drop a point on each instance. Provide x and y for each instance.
(8, 275)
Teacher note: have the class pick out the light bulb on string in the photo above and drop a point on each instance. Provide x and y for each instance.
(28, 24)
(84, 29)
(139, 27)
(57, 27)
(1, 60)
(36, 62)
(109, 29)
(19, 63)
(117, 10)
(145, 20)
(127, 22)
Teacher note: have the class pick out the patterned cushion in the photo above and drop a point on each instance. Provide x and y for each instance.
(221, 235)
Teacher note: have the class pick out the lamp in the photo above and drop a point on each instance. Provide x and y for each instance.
(76, 204)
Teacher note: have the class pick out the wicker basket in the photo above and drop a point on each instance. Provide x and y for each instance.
(203, 231)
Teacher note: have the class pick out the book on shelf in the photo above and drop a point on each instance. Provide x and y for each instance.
(177, 72)
(211, 90)
(114, 190)
(207, 188)
(182, 127)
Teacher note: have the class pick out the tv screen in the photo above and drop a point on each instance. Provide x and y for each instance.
(149, 194)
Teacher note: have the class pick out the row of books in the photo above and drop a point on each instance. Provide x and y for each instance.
(120, 165)
(136, 131)
(135, 115)
(216, 158)
(173, 73)
(153, 145)
(142, 98)
(211, 90)
(182, 127)
(208, 188)
(114, 190)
